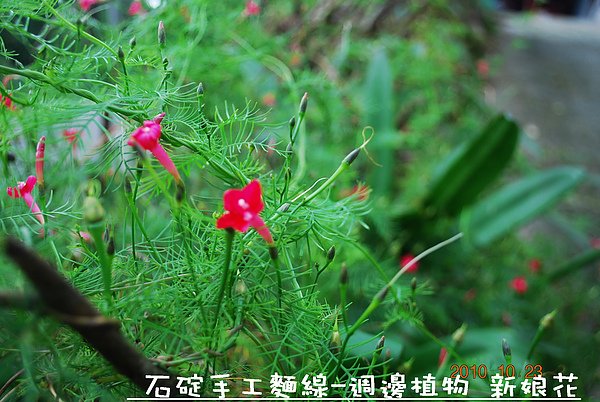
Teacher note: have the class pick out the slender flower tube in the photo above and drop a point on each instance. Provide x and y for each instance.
(39, 161)
(147, 137)
(23, 190)
(242, 208)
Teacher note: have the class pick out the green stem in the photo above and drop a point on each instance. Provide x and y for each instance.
(275, 259)
(544, 324)
(77, 29)
(575, 264)
(97, 230)
(37, 76)
(224, 277)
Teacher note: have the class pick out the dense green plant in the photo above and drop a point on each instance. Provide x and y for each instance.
(391, 153)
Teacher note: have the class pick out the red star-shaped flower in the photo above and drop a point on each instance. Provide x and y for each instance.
(242, 208)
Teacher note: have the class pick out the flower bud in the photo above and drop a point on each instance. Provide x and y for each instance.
(506, 349)
(132, 43)
(200, 89)
(240, 287)
(304, 104)
(331, 253)
(336, 339)
(293, 122)
(162, 36)
(92, 210)
(380, 344)
(413, 284)
(459, 334)
(284, 207)
(351, 156)
(121, 55)
(39, 161)
(547, 320)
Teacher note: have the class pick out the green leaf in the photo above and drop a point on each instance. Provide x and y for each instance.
(472, 167)
(518, 203)
(379, 114)
(575, 264)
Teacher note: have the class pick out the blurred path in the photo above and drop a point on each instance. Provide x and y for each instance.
(548, 78)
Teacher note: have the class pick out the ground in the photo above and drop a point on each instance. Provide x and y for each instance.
(547, 76)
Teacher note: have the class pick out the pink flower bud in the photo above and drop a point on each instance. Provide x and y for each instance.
(39, 160)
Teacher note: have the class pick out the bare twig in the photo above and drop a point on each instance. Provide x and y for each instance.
(68, 305)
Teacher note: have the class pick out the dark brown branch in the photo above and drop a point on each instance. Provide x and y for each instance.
(72, 308)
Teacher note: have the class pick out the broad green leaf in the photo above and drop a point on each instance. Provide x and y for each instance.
(379, 114)
(470, 169)
(518, 203)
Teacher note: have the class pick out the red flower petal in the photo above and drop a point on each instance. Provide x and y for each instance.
(253, 194)
(229, 220)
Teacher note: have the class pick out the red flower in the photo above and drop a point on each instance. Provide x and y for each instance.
(362, 192)
(6, 101)
(23, 190)
(147, 137)
(406, 259)
(39, 160)
(483, 68)
(86, 236)
(87, 4)
(535, 265)
(443, 357)
(242, 209)
(269, 99)
(251, 8)
(70, 135)
(135, 8)
(519, 284)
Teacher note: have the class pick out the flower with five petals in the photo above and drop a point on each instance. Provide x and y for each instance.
(242, 208)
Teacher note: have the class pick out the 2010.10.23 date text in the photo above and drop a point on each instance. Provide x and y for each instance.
(481, 371)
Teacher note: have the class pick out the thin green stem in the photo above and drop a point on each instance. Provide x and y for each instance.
(97, 230)
(224, 276)
(77, 29)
